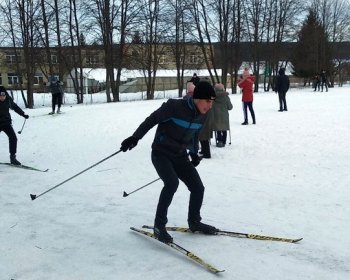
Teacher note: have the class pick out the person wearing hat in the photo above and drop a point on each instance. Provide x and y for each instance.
(57, 94)
(246, 84)
(220, 110)
(7, 103)
(282, 86)
(195, 79)
(175, 143)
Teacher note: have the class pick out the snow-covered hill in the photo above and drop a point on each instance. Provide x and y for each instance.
(286, 176)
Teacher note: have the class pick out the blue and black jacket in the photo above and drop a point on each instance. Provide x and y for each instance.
(179, 123)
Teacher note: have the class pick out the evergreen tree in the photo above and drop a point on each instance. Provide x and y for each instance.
(312, 52)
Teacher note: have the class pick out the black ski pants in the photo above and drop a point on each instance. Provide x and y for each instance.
(282, 100)
(8, 129)
(170, 169)
(56, 100)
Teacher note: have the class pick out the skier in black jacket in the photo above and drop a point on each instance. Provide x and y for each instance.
(179, 122)
(7, 103)
(55, 87)
(282, 86)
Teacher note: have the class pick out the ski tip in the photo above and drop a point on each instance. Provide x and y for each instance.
(297, 240)
(33, 196)
(125, 194)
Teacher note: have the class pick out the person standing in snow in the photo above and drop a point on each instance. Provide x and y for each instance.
(246, 84)
(221, 121)
(195, 79)
(57, 94)
(176, 139)
(7, 103)
(282, 86)
(324, 81)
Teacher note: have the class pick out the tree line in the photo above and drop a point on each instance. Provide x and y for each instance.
(113, 24)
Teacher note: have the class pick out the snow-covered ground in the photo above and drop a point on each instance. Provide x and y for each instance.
(286, 176)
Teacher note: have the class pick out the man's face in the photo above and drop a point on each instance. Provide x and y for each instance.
(2, 98)
(203, 105)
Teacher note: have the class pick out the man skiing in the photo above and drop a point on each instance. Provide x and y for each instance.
(7, 103)
(57, 94)
(179, 122)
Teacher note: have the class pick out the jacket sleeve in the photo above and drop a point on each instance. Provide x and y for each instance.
(229, 103)
(161, 114)
(15, 107)
(277, 85)
(195, 146)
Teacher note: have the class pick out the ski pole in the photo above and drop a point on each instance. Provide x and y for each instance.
(19, 132)
(229, 131)
(34, 196)
(126, 194)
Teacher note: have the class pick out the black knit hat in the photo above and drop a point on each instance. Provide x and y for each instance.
(204, 90)
(2, 91)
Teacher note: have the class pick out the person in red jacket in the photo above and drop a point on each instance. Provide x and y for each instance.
(246, 84)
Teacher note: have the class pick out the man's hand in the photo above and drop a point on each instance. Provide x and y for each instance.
(129, 143)
(195, 159)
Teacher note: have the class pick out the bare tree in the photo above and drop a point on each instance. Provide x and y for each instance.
(152, 32)
(177, 22)
(203, 26)
(77, 56)
(24, 35)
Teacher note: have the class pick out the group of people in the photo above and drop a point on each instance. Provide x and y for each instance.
(320, 81)
(175, 148)
(246, 83)
(7, 104)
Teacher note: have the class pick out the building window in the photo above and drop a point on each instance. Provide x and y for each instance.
(54, 59)
(194, 59)
(13, 79)
(11, 58)
(38, 79)
(162, 59)
(92, 59)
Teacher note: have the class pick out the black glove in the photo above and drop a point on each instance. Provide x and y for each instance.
(129, 143)
(195, 159)
(25, 116)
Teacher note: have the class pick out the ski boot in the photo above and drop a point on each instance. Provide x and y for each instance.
(13, 160)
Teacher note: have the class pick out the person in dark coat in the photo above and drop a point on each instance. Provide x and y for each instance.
(206, 132)
(221, 121)
(7, 103)
(282, 86)
(195, 79)
(176, 139)
(324, 81)
(55, 87)
(316, 83)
